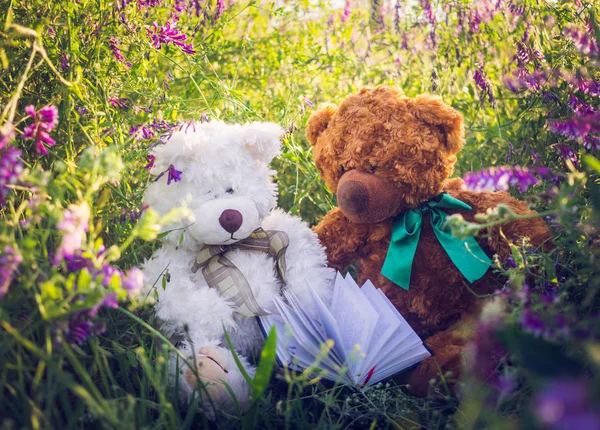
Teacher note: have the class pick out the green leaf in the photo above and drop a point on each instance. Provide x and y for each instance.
(265, 365)
(538, 356)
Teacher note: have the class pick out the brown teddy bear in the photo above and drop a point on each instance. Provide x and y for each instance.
(389, 157)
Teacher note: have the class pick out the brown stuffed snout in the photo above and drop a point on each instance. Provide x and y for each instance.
(366, 198)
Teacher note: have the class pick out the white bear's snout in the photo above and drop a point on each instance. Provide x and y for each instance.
(224, 221)
(231, 220)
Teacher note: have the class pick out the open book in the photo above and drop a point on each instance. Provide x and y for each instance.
(371, 340)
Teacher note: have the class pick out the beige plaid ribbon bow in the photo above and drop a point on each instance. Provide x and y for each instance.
(222, 274)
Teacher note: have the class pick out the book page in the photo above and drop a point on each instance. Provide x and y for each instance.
(331, 327)
(355, 316)
(387, 325)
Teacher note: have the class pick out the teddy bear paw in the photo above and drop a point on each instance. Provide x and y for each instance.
(210, 376)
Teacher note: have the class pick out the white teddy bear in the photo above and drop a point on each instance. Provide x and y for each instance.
(221, 173)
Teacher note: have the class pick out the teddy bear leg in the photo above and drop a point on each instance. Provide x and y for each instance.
(446, 348)
(215, 377)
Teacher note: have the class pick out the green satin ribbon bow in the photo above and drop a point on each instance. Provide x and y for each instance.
(467, 255)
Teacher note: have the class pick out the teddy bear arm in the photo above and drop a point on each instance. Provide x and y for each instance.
(341, 238)
(500, 236)
(446, 348)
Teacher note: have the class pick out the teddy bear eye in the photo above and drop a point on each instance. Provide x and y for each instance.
(373, 169)
(229, 190)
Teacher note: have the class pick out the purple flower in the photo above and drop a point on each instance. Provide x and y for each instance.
(567, 153)
(579, 107)
(532, 323)
(500, 178)
(9, 261)
(583, 40)
(11, 167)
(107, 274)
(78, 331)
(133, 281)
(167, 34)
(119, 102)
(426, 4)
(577, 126)
(346, 12)
(148, 3)
(511, 262)
(173, 174)
(64, 62)
(308, 102)
(141, 131)
(220, 10)
(591, 143)
(151, 159)
(566, 405)
(44, 121)
(113, 42)
(74, 225)
(516, 10)
(482, 82)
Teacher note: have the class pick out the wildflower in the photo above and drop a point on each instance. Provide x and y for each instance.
(113, 41)
(220, 10)
(500, 178)
(522, 53)
(576, 127)
(531, 322)
(583, 41)
(74, 225)
(591, 143)
(133, 281)
(151, 159)
(566, 153)
(107, 273)
(44, 121)
(78, 331)
(579, 107)
(516, 10)
(484, 85)
(566, 404)
(11, 167)
(173, 174)
(426, 4)
(9, 261)
(168, 34)
(134, 214)
(141, 131)
(347, 10)
(82, 111)
(149, 3)
(308, 102)
(64, 62)
(119, 102)
(7, 133)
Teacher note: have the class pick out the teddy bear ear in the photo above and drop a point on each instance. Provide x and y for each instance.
(262, 140)
(318, 122)
(432, 110)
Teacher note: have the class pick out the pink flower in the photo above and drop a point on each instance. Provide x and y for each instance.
(117, 52)
(44, 121)
(167, 34)
(133, 281)
(74, 225)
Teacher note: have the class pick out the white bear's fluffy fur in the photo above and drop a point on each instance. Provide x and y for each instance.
(225, 167)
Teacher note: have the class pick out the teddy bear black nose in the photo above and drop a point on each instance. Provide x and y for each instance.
(353, 197)
(231, 220)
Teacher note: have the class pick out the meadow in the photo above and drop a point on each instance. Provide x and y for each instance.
(87, 87)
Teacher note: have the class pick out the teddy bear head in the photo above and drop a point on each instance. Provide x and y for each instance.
(383, 153)
(221, 173)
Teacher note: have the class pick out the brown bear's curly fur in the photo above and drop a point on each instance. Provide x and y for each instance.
(411, 143)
